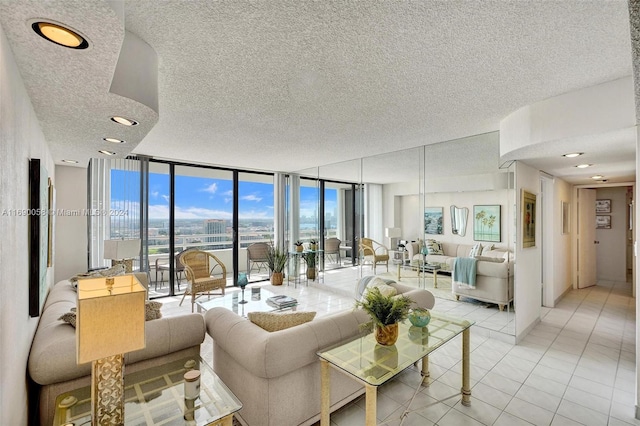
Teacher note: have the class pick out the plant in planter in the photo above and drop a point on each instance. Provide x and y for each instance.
(313, 244)
(385, 312)
(310, 260)
(299, 246)
(276, 260)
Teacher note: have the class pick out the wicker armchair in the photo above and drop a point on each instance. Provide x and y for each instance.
(204, 273)
(374, 252)
(332, 248)
(257, 254)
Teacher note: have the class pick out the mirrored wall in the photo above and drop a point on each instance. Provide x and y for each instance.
(452, 196)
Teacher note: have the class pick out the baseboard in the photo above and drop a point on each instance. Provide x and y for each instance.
(522, 335)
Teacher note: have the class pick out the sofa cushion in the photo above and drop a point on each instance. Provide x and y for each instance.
(490, 259)
(434, 247)
(274, 321)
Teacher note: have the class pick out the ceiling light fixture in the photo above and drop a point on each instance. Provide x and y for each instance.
(573, 154)
(113, 140)
(584, 166)
(597, 177)
(124, 121)
(105, 152)
(60, 35)
(70, 161)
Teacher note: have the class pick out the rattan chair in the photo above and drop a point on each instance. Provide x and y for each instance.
(257, 255)
(204, 273)
(332, 248)
(374, 252)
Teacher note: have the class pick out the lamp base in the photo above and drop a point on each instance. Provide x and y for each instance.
(128, 264)
(107, 391)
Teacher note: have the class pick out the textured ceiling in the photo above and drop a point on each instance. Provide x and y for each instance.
(288, 85)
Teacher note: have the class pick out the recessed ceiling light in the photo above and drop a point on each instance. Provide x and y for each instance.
(105, 152)
(113, 140)
(70, 161)
(584, 166)
(124, 121)
(573, 154)
(597, 177)
(60, 35)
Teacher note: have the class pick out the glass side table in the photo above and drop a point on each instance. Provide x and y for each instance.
(156, 396)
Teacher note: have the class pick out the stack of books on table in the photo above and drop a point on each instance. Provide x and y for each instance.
(282, 301)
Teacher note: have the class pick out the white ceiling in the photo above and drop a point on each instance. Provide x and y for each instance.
(288, 85)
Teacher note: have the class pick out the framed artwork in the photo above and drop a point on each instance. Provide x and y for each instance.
(565, 218)
(603, 221)
(486, 223)
(434, 220)
(528, 219)
(603, 206)
(38, 235)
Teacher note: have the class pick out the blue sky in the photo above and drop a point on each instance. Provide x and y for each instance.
(208, 198)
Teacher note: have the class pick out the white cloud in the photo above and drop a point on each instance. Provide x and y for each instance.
(155, 194)
(251, 197)
(228, 193)
(212, 189)
(166, 198)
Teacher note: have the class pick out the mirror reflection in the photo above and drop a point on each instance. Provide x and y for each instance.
(459, 220)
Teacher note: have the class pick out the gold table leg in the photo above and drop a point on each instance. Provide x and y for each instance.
(399, 271)
(325, 403)
(370, 404)
(435, 278)
(424, 370)
(466, 388)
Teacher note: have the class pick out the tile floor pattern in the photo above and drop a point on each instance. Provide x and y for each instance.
(576, 367)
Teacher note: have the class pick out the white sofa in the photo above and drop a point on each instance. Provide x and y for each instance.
(277, 375)
(52, 359)
(494, 271)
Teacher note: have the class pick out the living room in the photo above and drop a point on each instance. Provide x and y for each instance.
(27, 133)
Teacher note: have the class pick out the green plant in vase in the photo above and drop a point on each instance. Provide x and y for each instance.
(276, 260)
(299, 246)
(313, 244)
(385, 312)
(310, 260)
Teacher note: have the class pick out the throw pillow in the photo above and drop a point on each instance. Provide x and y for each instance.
(476, 250)
(383, 285)
(151, 310)
(109, 272)
(434, 247)
(273, 321)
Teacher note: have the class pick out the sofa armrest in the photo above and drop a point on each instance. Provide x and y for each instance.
(273, 354)
(421, 298)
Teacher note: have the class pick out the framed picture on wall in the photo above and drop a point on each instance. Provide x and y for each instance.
(603, 206)
(433, 220)
(528, 219)
(486, 223)
(603, 221)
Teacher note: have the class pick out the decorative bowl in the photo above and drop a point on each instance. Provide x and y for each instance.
(419, 317)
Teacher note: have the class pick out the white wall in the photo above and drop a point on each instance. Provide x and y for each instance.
(20, 139)
(611, 264)
(71, 194)
(412, 214)
(528, 280)
(561, 254)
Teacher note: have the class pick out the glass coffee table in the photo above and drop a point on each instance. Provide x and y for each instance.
(434, 267)
(256, 298)
(156, 396)
(373, 365)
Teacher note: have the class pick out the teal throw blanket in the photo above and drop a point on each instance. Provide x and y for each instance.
(464, 271)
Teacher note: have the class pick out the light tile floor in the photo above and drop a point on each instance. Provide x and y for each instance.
(576, 367)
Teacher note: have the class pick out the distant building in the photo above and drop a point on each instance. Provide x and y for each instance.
(217, 227)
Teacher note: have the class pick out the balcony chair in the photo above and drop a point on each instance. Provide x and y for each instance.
(374, 252)
(162, 265)
(257, 254)
(332, 248)
(204, 272)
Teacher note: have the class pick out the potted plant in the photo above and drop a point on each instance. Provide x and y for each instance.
(310, 259)
(385, 312)
(299, 246)
(313, 244)
(276, 260)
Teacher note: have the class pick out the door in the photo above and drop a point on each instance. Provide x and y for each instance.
(586, 237)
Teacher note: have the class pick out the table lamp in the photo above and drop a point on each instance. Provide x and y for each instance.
(122, 252)
(110, 321)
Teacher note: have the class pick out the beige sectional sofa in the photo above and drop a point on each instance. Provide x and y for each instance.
(494, 271)
(277, 375)
(52, 359)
